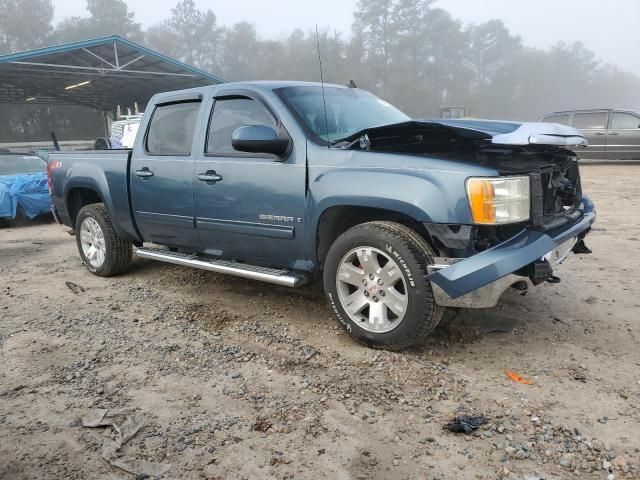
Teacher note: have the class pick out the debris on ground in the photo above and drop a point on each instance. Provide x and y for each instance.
(197, 329)
(465, 423)
(262, 424)
(74, 287)
(517, 378)
(578, 374)
(125, 425)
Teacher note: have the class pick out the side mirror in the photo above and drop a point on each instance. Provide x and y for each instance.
(258, 139)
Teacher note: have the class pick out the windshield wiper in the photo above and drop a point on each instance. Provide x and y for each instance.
(350, 140)
(362, 136)
(338, 142)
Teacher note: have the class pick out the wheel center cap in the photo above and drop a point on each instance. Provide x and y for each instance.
(373, 289)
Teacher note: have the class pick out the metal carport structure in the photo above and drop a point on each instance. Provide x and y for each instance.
(98, 73)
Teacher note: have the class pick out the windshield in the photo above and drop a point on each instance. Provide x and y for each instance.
(16, 164)
(349, 110)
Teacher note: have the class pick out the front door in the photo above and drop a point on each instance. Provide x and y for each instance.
(623, 136)
(593, 125)
(249, 206)
(162, 177)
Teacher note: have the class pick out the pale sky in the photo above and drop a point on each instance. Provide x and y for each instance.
(610, 28)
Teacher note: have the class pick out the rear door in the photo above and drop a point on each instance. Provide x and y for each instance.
(593, 125)
(162, 175)
(623, 136)
(254, 209)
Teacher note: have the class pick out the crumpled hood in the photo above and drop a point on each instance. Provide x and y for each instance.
(425, 136)
(527, 133)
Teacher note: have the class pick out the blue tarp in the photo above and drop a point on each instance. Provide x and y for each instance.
(29, 191)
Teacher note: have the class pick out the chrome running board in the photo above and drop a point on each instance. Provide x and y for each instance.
(279, 277)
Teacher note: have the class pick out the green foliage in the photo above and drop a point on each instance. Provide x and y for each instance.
(106, 17)
(407, 51)
(24, 24)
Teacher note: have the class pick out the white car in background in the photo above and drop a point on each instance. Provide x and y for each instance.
(124, 131)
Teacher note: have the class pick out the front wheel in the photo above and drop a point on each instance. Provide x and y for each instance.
(103, 252)
(375, 279)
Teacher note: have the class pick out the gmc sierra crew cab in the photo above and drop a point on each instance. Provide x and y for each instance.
(288, 182)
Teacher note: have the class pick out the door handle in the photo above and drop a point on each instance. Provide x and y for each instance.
(614, 133)
(210, 176)
(144, 173)
(599, 133)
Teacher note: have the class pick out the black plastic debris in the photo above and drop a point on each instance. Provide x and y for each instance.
(74, 287)
(581, 247)
(465, 423)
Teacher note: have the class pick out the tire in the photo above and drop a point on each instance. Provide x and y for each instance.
(115, 253)
(397, 315)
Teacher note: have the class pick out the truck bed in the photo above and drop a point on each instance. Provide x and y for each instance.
(104, 171)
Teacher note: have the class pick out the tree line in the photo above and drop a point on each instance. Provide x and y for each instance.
(409, 52)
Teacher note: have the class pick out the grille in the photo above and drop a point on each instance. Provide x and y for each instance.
(555, 192)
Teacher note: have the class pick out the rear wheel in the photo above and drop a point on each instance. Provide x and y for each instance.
(102, 251)
(375, 278)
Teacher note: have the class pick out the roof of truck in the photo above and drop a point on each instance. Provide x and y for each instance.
(259, 84)
(273, 84)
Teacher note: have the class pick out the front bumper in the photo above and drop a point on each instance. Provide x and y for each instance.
(480, 280)
(483, 297)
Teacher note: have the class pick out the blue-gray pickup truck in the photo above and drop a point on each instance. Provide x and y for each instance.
(290, 182)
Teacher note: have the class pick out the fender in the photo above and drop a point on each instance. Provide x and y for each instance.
(423, 197)
(113, 192)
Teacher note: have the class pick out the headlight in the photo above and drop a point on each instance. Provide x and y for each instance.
(499, 200)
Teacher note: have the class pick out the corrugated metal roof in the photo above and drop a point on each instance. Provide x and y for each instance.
(100, 73)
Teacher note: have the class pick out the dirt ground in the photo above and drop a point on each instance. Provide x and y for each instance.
(237, 379)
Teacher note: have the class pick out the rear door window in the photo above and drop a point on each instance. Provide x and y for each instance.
(172, 128)
(624, 121)
(562, 119)
(590, 120)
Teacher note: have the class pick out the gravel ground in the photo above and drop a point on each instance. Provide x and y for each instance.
(237, 379)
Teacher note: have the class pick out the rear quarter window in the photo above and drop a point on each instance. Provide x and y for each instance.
(172, 128)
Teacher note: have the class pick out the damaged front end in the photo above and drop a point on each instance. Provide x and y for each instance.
(509, 244)
(483, 261)
(480, 262)
(522, 261)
